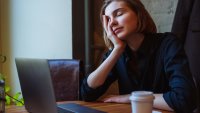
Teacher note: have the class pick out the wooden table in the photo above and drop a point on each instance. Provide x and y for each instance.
(107, 107)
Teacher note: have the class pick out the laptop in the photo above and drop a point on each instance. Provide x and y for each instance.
(37, 90)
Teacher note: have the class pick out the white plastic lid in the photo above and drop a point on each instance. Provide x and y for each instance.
(142, 96)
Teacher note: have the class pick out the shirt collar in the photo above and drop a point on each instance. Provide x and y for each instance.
(145, 48)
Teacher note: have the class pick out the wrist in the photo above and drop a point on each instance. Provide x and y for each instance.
(119, 49)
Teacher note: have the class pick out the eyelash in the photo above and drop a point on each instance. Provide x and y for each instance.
(116, 15)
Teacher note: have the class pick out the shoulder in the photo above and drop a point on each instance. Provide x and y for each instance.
(168, 36)
(171, 45)
(163, 40)
(167, 39)
(171, 40)
(166, 43)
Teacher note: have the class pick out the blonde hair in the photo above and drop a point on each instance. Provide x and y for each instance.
(145, 22)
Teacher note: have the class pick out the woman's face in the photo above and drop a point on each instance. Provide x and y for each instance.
(122, 19)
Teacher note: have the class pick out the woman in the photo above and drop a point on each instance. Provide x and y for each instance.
(140, 59)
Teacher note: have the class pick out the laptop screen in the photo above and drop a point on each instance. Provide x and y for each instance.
(37, 89)
(36, 85)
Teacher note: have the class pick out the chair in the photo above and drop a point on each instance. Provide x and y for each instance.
(67, 75)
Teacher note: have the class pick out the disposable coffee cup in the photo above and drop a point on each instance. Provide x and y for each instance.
(142, 101)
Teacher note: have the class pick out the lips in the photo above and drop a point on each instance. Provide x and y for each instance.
(117, 30)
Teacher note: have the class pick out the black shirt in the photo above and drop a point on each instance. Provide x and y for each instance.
(161, 67)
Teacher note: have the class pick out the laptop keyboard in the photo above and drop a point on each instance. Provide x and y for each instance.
(61, 110)
(76, 108)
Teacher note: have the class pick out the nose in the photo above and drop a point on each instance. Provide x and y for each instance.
(113, 22)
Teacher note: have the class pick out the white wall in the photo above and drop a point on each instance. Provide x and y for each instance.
(37, 29)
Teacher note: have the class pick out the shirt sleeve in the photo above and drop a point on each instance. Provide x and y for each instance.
(182, 94)
(90, 94)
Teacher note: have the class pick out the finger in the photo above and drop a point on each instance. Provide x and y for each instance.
(103, 99)
(108, 100)
(110, 29)
(105, 23)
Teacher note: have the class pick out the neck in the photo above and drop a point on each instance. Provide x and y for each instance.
(135, 41)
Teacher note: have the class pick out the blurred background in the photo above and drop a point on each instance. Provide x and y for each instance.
(60, 29)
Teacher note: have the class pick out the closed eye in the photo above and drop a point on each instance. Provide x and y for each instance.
(119, 13)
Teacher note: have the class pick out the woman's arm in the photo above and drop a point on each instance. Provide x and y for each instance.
(159, 101)
(98, 77)
(182, 93)
(99, 80)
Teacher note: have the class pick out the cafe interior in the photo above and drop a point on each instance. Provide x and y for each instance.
(69, 35)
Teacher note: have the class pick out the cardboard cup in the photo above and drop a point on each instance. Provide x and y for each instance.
(142, 101)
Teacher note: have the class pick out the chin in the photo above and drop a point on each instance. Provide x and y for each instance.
(121, 37)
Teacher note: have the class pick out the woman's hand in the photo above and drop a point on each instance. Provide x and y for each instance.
(117, 98)
(119, 44)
